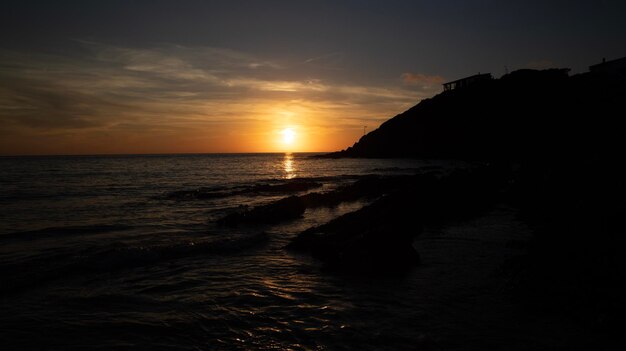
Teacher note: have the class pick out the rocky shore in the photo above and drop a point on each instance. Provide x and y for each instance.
(539, 244)
(378, 237)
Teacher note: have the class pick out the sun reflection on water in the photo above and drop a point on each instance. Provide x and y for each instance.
(289, 167)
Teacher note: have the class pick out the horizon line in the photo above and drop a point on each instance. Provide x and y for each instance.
(166, 154)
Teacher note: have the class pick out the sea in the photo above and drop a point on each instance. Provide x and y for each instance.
(120, 252)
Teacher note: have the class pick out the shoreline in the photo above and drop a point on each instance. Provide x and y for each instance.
(394, 236)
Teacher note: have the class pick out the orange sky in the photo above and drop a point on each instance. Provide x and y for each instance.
(174, 99)
(97, 77)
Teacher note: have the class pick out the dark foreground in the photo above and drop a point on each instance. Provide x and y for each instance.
(527, 256)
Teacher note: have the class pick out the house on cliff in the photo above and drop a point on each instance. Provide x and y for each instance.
(467, 81)
(615, 69)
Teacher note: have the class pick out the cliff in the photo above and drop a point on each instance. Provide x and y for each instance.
(526, 114)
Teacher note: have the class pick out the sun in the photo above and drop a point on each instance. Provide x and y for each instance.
(289, 136)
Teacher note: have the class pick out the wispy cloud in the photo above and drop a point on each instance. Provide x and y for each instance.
(327, 60)
(540, 64)
(422, 80)
(185, 91)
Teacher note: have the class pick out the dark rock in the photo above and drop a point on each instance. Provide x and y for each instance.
(284, 187)
(292, 207)
(381, 249)
(284, 209)
(292, 186)
(377, 237)
(365, 187)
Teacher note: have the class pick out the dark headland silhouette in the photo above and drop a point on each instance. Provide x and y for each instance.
(524, 114)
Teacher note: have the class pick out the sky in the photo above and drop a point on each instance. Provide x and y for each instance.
(118, 77)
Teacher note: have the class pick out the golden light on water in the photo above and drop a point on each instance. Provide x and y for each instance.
(288, 166)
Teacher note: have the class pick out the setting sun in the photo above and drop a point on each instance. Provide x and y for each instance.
(289, 136)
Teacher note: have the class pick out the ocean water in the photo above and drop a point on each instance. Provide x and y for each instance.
(121, 252)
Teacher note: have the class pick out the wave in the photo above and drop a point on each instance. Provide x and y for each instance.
(56, 232)
(261, 188)
(399, 169)
(65, 263)
(118, 257)
(292, 207)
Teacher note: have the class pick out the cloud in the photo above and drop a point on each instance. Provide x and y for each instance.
(330, 61)
(540, 64)
(182, 91)
(422, 80)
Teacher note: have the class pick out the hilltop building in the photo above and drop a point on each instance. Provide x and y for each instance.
(614, 68)
(467, 81)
